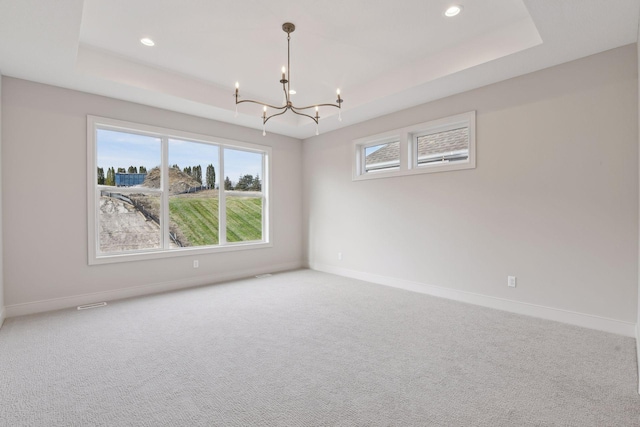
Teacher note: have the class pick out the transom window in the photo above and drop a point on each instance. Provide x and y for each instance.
(157, 192)
(441, 147)
(436, 146)
(382, 157)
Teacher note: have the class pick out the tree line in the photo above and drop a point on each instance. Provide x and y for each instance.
(245, 183)
(194, 172)
(110, 177)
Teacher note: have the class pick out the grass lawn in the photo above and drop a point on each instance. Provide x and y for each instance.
(244, 219)
(197, 219)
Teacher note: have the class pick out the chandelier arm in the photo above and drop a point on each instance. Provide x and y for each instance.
(318, 105)
(306, 115)
(286, 94)
(262, 103)
(264, 121)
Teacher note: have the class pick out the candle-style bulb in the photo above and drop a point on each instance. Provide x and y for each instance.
(338, 92)
(264, 108)
(264, 124)
(237, 85)
(284, 70)
(316, 108)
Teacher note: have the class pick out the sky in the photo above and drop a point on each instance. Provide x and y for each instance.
(119, 149)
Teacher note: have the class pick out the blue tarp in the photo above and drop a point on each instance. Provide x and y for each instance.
(129, 179)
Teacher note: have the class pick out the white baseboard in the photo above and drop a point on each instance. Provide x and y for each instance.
(574, 318)
(153, 288)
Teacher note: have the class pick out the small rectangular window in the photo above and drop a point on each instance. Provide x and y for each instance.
(443, 147)
(439, 145)
(382, 157)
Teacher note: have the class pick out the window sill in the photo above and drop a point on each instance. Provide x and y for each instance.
(172, 253)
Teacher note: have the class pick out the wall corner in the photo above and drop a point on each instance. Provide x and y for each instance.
(2, 309)
(638, 305)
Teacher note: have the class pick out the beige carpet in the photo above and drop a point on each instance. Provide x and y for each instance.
(310, 349)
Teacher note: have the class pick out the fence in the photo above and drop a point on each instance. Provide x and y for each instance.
(195, 189)
(140, 207)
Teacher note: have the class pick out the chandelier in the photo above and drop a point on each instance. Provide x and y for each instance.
(288, 28)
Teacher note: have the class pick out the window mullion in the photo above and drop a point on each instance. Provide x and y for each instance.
(404, 151)
(264, 190)
(222, 203)
(164, 212)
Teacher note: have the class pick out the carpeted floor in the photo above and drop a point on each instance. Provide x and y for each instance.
(310, 349)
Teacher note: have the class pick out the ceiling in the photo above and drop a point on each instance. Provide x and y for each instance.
(384, 55)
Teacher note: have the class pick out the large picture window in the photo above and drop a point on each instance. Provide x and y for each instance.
(157, 192)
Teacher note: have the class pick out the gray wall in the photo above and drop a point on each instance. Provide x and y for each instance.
(553, 200)
(2, 313)
(45, 199)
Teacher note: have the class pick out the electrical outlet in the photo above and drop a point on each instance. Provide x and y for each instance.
(511, 281)
(196, 264)
(339, 256)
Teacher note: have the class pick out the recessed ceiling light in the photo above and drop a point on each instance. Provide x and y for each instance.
(292, 92)
(453, 11)
(147, 41)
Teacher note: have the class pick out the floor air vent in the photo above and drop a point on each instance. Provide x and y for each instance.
(94, 305)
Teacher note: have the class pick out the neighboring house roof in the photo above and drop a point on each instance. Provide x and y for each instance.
(428, 145)
(443, 142)
(389, 153)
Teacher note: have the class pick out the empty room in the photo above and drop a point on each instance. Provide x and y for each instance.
(302, 213)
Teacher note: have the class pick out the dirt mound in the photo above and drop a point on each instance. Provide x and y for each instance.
(179, 182)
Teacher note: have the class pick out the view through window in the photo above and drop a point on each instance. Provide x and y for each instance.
(157, 193)
(382, 157)
(440, 147)
(445, 144)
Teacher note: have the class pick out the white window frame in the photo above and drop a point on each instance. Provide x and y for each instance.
(408, 137)
(93, 192)
(363, 148)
